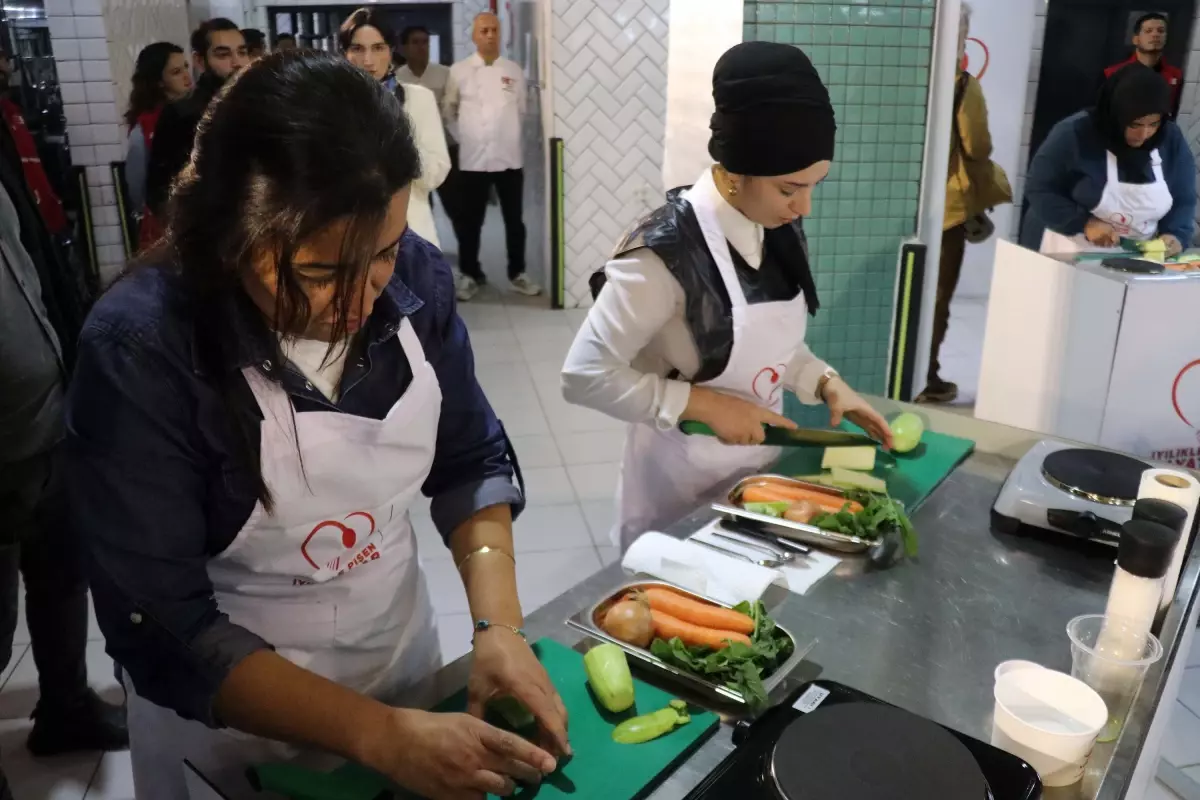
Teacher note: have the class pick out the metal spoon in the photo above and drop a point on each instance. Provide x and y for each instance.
(770, 563)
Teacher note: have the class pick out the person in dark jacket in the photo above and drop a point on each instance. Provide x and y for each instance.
(1121, 170)
(41, 309)
(1149, 41)
(218, 52)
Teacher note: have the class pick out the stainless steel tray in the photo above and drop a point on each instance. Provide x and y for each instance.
(585, 621)
(799, 531)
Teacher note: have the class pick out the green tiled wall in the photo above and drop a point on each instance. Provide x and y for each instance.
(874, 55)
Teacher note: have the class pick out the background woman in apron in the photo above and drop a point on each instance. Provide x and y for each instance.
(705, 305)
(255, 410)
(1121, 170)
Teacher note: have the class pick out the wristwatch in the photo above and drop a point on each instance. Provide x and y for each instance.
(829, 374)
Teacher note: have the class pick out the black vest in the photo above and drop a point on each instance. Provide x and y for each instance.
(673, 233)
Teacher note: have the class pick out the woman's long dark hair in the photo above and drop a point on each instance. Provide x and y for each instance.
(297, 142)
(147, 93)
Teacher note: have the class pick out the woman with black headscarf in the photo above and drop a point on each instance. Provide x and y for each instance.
(1121, 170)
(704, 305)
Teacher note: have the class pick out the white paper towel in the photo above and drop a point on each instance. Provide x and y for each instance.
(699, 569)
(799, 576)
(1180, 488)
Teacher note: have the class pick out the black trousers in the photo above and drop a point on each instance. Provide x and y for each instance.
(954, 247)
(473, 197)
(36, 542)
(450, 195)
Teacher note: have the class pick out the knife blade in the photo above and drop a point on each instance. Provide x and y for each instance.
(785, 437)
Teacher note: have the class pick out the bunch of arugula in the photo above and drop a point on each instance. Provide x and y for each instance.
(738, 666)
(879, 514)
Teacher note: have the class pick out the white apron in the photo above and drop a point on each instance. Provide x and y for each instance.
(330, 579)
(1133, 209)
(664, 472)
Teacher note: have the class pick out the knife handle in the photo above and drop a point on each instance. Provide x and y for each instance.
(692, 427)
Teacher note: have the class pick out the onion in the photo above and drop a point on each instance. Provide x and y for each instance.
(800, 511)
(629, 620)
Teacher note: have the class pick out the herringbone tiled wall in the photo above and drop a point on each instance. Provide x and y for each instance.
(610, 66)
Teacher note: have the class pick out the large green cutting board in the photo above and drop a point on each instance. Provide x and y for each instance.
(910, 477)
(601, 769)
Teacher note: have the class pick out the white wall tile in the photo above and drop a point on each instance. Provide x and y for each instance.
(87, 8)
(90, 27)
(98, 176)
(107, 234)
(83, 155)
(93, 49)
(72, 92)
(58, 8)
(103, 112)
(61, 27)
(105, 133)
(69, 71)
(79, 135)
(99, 91)
(66, 49)
(76, 114)
(107, 195)
(106, 215)
(96, 70)
(108, 153)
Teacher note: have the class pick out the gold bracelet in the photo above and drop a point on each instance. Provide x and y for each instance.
(483, 551)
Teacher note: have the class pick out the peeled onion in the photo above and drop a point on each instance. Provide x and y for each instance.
(801, 511)
(629, 620)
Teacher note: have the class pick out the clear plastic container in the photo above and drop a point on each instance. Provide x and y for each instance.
(1111, 655)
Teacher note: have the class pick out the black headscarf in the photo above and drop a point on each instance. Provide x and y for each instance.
(773, 112)
(1132, 92)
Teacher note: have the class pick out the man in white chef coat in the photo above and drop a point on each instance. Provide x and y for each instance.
(485, 99)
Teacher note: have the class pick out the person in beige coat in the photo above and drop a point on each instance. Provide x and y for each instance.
(974, 184)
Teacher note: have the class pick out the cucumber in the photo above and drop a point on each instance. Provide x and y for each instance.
(860, 458)
(608, 675)
(650, 726)
(850, 479)
(513, 712)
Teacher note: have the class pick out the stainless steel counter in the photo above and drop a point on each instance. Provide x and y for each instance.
(927, 634)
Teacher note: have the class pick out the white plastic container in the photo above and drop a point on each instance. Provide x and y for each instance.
(1049, 719)
(1012, 665)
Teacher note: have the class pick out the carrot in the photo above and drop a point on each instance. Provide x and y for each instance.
(668, 627)
(777, 493)
(698, 612)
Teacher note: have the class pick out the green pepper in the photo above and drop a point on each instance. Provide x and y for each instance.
(653, 725)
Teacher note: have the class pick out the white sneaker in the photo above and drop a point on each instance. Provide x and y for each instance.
(522, 285)
(467, 288)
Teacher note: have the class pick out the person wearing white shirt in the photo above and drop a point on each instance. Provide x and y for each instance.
(703, 308)
(485, 100)
(414, 46)
(363, 39)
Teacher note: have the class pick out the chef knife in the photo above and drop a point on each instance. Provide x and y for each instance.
(786, 437)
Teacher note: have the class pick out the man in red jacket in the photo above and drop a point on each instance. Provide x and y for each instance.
(48, 204)
(1149, 39)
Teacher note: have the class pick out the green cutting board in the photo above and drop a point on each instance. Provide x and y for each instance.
(911, 477)
(599, 769)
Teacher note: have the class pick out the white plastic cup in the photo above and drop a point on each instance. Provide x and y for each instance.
(1012, 665)
(1111, 655)
(1049, 719)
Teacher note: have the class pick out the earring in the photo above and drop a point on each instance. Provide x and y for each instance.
(733, 190)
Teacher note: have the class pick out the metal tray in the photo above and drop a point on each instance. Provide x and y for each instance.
(799, 531)
(585, 621)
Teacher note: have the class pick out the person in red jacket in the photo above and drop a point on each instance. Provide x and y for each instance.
(1149, 39)
(48, 203)
(160, 76)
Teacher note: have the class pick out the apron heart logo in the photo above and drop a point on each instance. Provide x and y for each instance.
(768, 382)
(346, 535)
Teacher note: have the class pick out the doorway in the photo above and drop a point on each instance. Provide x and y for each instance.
(317, 26)
(1085, 36)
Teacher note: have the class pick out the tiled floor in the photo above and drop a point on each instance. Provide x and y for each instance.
(962, 351)
(570, 458)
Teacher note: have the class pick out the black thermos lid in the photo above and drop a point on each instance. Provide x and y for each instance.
(1146, 548)
(1164, 512)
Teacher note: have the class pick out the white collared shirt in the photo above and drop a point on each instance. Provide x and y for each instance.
(637, 333)
(434, 78)
(483, 107)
